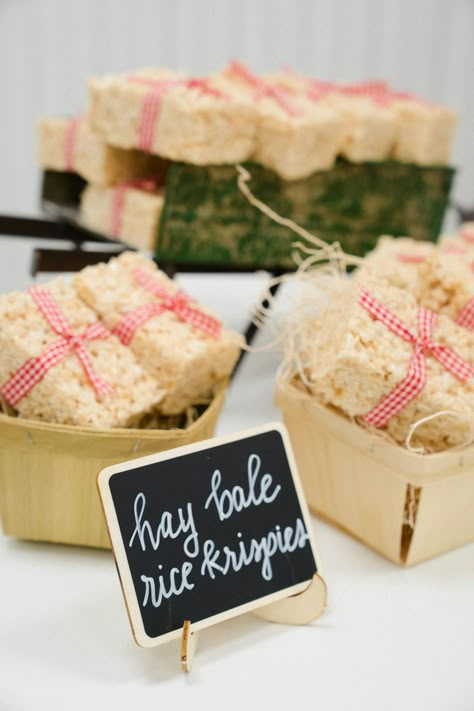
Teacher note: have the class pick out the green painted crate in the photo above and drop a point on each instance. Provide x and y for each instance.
(206, 220)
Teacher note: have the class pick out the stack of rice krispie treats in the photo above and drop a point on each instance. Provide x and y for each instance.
(294, 125)
(395, 346)
(63, 358)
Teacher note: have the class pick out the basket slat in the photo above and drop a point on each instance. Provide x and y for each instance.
(48, 473)
(365, 485)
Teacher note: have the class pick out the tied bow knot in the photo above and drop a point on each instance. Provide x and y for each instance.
(178, 303)
(265, 89)
(34, 369)
(415, 380)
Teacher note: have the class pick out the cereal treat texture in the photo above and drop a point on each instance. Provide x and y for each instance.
(65, 394)
(69, 144)
(396, 260)
(461, 243)
(446, 283)
(294, 136)
(425, 132)
(370, 129)
(367, 128)
(131, 215)
(353, 361)
(185, 361)
(172, 115)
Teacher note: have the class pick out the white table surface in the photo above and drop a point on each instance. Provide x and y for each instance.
(391, 638)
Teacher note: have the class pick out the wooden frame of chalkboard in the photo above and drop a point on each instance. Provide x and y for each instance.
(209, 531)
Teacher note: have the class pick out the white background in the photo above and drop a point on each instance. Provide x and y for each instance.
(49, 47)
(391, 638)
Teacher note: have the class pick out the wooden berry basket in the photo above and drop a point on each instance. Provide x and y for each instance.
(48, 472)
(408, 507)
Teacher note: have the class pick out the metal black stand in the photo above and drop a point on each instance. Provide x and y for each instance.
(77, 256)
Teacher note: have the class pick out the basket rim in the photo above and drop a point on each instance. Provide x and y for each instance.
(435, 463)
(20, 423)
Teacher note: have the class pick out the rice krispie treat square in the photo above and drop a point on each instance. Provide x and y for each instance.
(187, 353)
(171, 115)
(397, 261)
(294, 135)
(354, 360)
(425, 131)
(461, 243)
(124, 389)
(71, 145)
(370, 127)
(130, 214)
(446, 285)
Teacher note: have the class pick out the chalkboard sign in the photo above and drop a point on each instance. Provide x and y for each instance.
(208, 531)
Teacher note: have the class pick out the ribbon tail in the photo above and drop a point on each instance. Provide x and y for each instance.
(101, 386)
(204, 322)
(401, 396)
(126, 327)
(465, 317)
(33, 371)
(457, 366)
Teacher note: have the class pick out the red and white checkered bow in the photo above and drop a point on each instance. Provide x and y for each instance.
(265, 88)
(178, 302)
(465, 318)
(415, 380)
(152, 102)
(34, 369)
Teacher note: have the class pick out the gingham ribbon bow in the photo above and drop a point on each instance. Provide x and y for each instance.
(415, 380)
(178, 302)
(152, 102)
(265, 89)
(34, 369)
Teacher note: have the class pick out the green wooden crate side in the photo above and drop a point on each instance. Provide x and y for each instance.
(207, 220)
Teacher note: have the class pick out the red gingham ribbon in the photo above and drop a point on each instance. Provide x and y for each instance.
(152, 102)
(70, 141)
(465, 318)
(179, 303)
(118, 201)
(377, 91)
(265, 89)
(415, 380)
(34, 369)
(453, 249)
(410, 258)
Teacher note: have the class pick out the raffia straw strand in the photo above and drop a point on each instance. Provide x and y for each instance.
(315, 259)
(414, 426)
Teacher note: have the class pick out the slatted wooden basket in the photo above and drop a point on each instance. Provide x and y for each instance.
(408, 507)
(48, 472)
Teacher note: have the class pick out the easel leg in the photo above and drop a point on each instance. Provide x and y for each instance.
(298, 609)
(252, 329)
(188, 646)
